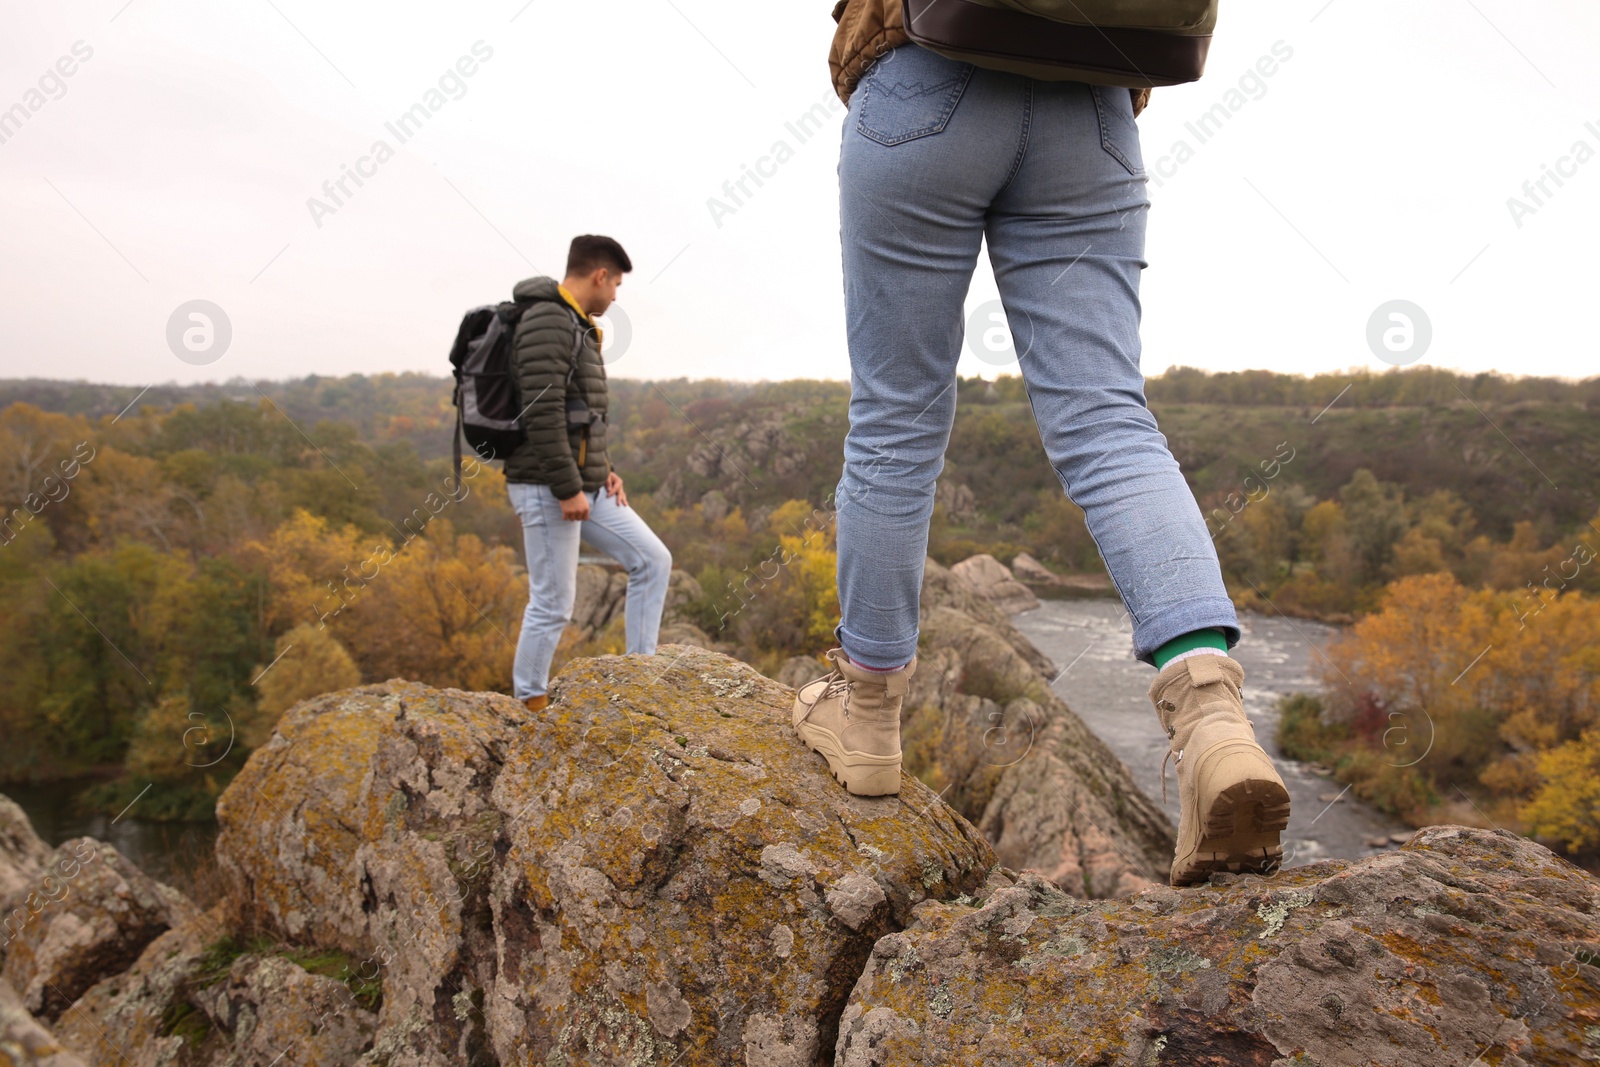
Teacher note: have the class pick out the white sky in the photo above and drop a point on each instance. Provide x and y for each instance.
(178, 163)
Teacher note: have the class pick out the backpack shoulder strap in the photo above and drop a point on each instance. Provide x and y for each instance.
(577, 346)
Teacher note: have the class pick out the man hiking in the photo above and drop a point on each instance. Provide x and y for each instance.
(560, 479)
(937, 156)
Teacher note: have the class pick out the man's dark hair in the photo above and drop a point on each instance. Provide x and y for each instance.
(590, 252)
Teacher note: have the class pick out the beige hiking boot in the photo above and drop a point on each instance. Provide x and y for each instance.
(852, 717)
(1234, 805)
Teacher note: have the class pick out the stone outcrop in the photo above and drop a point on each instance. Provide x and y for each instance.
(23, 857)
(269, 1007)
(682, 879)
(655, 871)
(90, 916)
(143, 1017)
(24, 1041)
(993, 581)
(1465, 946)
(957, 499)
(70, 917)
(654, 867)
(365, 825)
(1037, 576)
(194, 998)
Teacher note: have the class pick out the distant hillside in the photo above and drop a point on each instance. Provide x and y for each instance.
(1514, 449)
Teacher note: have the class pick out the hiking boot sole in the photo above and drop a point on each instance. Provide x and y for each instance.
(863, 774)
(1243, 824)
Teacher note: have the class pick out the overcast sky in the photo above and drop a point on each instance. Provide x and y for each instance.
(176, 163)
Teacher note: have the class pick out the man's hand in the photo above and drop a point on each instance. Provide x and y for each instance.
(575, 508)
(614, 487)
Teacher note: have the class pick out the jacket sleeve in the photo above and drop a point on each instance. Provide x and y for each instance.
(543, 354)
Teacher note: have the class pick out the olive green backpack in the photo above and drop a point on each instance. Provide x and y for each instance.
(1133, 43)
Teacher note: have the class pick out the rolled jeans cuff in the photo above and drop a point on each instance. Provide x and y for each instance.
(1185, 617)
(880, 655)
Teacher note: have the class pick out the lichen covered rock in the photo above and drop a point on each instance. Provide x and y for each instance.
(684, 880)
(271, 1010)
(1465, 946)
(653, 866)
(143, 1017)
(23, 857)
(90, 915)
(365, 825)
(199, 997)
(26, 1042)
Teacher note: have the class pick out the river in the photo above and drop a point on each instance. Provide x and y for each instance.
(1089, 640)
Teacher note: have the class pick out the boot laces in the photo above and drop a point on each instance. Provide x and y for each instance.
(837, 683)
(1168, 758)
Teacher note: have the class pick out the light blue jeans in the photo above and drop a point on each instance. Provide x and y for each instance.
(552, 548)
(938, 155)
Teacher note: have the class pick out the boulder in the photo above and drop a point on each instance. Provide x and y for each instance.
(654, 866)
(365, 825)
(1027, 569)
(942, 587)
(91, 914)
(144, 1017)
(197, 997)
(683, 632)
(270, 1009)
(23, 858)
(1036, 574)
(24, 1041)
(1465, 946)
(993, 581)
(957, 499)
(682, 879)
(599, 596)
(601, 599)
(798, 670)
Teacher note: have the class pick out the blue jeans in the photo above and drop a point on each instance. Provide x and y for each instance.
(938, 155)
(552, 547)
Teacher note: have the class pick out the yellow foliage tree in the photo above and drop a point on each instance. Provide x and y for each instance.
(167, 742)
(315, 571)
(1567, 807)
(445, 610)
(307, 661)
(1491, 685)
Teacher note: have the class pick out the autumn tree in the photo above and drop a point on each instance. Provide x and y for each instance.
(307, 661)
(1567, 805)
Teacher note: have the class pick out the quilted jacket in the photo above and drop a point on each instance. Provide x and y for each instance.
(542, 354)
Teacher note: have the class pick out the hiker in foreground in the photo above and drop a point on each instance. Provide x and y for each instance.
(560, 478)
(1041, 157)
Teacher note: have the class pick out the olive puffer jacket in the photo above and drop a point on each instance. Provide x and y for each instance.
(868, 29)
(542, 354)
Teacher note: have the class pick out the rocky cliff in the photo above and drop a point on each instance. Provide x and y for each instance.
(655, 871)
(1465, 947)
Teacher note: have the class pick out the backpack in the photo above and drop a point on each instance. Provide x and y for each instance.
(1137, 44)
(487, 397)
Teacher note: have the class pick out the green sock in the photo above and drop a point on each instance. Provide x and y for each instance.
(1210, 638)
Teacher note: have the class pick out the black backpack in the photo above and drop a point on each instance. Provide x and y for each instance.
(487, 398)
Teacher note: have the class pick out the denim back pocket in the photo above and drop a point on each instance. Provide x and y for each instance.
(910, 93)
(1119, 135)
